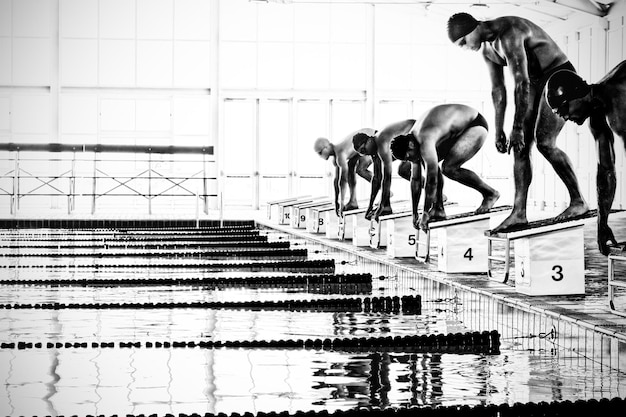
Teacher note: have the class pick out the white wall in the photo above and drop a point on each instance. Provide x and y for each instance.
(261, 81)
(132, 72)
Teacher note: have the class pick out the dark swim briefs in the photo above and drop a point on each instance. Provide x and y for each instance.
(478, 121)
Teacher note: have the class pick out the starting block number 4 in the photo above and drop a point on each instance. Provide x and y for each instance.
(459, 249)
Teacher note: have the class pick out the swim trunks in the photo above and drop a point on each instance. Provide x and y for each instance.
(478, 121)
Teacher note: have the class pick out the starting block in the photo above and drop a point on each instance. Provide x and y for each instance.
(462, 247)
(400, 234)
(284, 209)
(617, 254)
(378, 229)
(355, 227)
(315, 219)
(298, 212)
(327, 221)
(273, 206)
(549, 255)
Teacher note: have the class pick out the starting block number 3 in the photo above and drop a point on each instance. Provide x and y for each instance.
(557, 272)
(550, 264)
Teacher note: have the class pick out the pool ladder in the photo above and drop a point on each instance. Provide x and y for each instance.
(614, 283)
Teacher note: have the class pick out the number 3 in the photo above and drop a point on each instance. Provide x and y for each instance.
(558, 269)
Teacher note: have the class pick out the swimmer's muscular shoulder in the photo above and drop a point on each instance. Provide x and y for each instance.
(395, 129)
(511, 36)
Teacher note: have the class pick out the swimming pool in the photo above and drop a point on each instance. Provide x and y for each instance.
(114, 360)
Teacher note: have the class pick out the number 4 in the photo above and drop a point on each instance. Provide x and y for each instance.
(468, 254)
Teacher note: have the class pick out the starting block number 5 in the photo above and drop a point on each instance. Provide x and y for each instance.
(401, 238)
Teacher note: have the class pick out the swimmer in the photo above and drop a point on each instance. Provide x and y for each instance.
(604, 104)
(531, 56)
(453, 134)
(347, 163)
(376, 145)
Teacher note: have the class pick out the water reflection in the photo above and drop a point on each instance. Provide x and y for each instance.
(193, 380)
(115, 381)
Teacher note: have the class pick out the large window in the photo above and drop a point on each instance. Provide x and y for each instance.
(259, 81)
(239, 156)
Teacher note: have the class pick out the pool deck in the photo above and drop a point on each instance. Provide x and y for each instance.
(590, 310)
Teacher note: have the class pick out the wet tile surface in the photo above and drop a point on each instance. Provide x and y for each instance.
(592, 308)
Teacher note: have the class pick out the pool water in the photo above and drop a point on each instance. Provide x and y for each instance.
(533, 364)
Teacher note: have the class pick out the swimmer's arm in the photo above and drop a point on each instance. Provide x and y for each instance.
(387, 161)
(342, 174)
(605, 179)
(375, 181)
(416, 190)
(384, 152)
(515, 53)
(336, 184)
(429, 155)
(498, 93)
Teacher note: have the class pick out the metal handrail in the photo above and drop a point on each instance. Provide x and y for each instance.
(17, 175)
(66, 147)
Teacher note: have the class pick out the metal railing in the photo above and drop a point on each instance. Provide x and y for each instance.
(94, 172)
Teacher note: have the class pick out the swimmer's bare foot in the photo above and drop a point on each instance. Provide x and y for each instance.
(351, 206)
(488, 202)
(383, 211)
(574, 209)
(437, 214)
(512, 221)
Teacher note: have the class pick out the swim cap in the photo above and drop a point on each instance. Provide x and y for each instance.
(460, 24)
(360, 139)
(399, 147)
(564, 85)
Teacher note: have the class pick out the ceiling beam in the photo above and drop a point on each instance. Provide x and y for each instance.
(585, 6)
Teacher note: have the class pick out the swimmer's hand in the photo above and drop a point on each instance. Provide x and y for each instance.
(369, 213)
(423, 223)
(416, 222)
(517, 141)
(605, 237)
(339, 210)
(501, 142)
